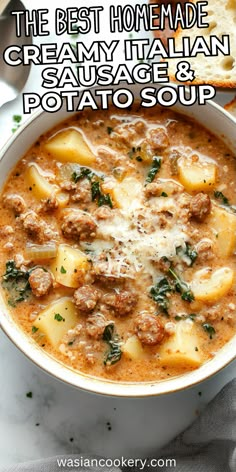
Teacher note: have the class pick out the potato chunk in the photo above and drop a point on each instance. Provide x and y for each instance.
(55, 320)
(133, 348)
(126, 194)
(210, 286)
(40, 186)
(197, 176)
(180, 348)
(223, 224)
(42, 189)
(70, 267)
(70, 146)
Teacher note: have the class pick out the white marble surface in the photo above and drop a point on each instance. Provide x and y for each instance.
(59, 419)
(62, 413)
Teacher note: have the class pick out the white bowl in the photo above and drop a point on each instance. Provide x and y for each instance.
(220, 123)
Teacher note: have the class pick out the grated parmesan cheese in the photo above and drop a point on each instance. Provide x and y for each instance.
(138, 240)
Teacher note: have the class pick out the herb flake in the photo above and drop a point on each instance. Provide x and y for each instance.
(132, 153)
(58, 317)
(109, 130)
(112, 339)
(209, 329)
(16, 120)
(97, 194)
(220, 196)
(156, 165)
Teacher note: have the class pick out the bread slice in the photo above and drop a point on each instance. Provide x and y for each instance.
(231, 107)
(219, 71)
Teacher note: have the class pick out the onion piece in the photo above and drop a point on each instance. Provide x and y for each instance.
(44, 251)
(66, 171)
(62, 199)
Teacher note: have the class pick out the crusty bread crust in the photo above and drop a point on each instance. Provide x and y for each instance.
(217, 71)
(199, 81)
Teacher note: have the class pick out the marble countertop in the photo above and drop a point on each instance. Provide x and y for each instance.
(58, 419)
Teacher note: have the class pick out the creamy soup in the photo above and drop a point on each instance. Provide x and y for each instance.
(117, 243)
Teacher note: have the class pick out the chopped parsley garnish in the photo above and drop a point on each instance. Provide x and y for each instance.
(209, 329)
(164, 194)
(97, 194)
(16, 120)
(156, 165)
(63, 270)
(112, 339)
(159, 294)
(29, 395)
(58, 317)
(16, 281)
(34, 329)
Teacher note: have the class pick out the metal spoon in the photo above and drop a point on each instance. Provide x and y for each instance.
(12, 79)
